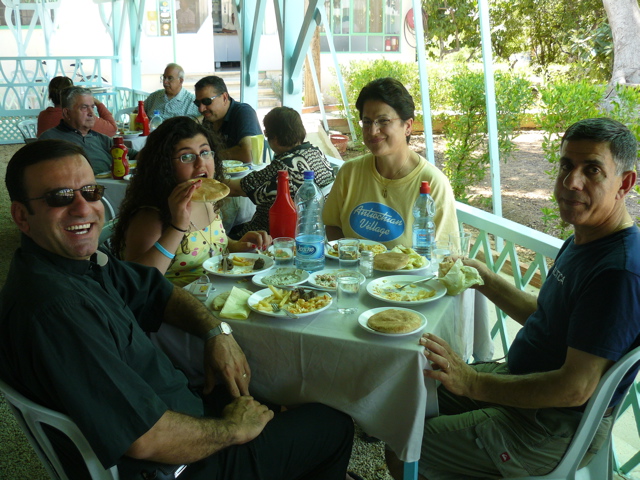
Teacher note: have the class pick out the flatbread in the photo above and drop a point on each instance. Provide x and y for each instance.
(210, 190)
(444, 267)
(394, 321)
(390, 261)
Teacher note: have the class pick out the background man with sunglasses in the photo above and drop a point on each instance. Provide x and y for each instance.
(236, 122)
(172, 100)
(78, 119)
(73, 323)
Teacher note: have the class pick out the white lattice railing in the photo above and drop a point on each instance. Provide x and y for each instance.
(545, 247)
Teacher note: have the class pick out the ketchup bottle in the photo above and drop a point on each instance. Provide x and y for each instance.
(120, 156)
(142, 121)
(282, 215)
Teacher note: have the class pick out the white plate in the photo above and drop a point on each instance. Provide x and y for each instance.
(406, 270)
(232, 163)
(376, 289)
(330, 271)
(303, 275)
(130, 135)
(213, 264)
(238, 173)
(262, 294)
(329, 247)
(364, 316)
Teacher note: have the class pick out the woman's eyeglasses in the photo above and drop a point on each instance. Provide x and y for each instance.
(380, 122)
(205, 101)
(191, 157)
(64, 196)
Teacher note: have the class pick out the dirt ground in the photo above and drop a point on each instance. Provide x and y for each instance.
(526, 189)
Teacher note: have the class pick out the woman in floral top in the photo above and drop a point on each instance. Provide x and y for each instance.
(284, 129)
(158, 224)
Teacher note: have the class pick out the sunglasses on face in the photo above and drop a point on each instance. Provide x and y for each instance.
(205, 101)
(65, 196)
(191, 157)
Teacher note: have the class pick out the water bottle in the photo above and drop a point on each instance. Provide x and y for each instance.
(155, 121)
(424, 229)
(309, 203)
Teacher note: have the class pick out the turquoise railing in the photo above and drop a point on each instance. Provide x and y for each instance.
(24, 87)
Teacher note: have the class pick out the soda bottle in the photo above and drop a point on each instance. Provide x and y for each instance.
(156, 120)
(142, 121)
(309, 237)
(120, 157)
(282, 214)
(424, 229)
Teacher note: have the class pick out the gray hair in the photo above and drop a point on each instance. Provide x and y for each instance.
(68, 95)
(175, 66)
(622, 143)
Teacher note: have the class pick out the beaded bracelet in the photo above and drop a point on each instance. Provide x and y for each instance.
(164, 251)
(176, 228)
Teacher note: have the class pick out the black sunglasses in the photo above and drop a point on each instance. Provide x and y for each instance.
(64, 196)
(206, 101)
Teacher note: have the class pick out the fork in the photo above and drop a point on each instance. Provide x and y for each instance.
(225, 259)
(277, 308)
(418, 281)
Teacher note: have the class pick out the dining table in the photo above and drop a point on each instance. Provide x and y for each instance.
(331, 358)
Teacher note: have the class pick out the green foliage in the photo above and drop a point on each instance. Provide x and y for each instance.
(467, 153)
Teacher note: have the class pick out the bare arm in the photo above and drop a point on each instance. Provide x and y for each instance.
(235, 188)
(222, 355)
(517, 304)
(145, 229)
(333, 232)
(241, 152)
(105, 123)
(180, 439)
(569, 386)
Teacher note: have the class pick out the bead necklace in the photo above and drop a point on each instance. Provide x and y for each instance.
(384, 186)
(210, 241)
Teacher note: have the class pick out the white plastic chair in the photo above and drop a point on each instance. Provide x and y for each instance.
(31, 417)
(122, 115)
(601, 465)
(28, 129)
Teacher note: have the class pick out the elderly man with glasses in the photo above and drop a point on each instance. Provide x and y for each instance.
(234, 121)
(76, 126)
(172, 100)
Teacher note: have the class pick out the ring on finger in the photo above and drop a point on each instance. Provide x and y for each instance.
(244, 375)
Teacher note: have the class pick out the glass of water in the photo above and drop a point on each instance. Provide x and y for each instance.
(348, 252)
(440, 251)
(348, 289)
(460, 244)
(283, 251)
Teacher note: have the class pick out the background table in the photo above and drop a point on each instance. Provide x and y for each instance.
(329, 358)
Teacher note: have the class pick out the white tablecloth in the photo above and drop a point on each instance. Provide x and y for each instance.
(329, 358)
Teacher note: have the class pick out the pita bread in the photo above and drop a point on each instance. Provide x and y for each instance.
(390, 261)
(394, 321)
(444, 267)
(210, 190)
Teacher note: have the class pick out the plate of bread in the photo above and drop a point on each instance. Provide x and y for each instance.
(392, 322)
(388, 289)
(399, 259)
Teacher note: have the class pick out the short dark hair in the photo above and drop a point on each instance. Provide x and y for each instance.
(622, 143)
(390, 91)
(68, 95)
(56, 85)
(155, 176)
(212, 81)
(32, 154)
(285, 125)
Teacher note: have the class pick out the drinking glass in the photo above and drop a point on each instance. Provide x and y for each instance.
(348, 252)
(348, 288)
(283, 251)
(440, 251)
(460, 244)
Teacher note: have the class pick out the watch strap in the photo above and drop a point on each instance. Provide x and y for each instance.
(217, 330)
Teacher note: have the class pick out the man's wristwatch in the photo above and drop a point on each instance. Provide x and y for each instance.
(224, 328)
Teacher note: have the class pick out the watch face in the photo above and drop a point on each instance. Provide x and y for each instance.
(225, 327)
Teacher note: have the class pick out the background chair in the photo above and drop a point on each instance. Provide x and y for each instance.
(32, 417)
(28, 129)
(601, 466)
